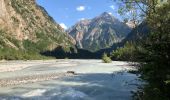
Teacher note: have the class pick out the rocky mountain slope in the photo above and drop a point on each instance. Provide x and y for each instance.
(98, 33)
(138, 33)
(26, 26)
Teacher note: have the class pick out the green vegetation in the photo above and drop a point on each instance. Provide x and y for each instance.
(41, 35)
(106, 59)
(4, 37)
(39, 46)
(126, 52)
(16, 21)
(12, 54)
(129, 52)
(153, 55)
(156, 67)
(31, 50)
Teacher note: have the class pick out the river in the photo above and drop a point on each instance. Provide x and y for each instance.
(93, 80)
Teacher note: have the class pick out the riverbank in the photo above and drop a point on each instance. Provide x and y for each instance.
(31, 79)
(11, 66)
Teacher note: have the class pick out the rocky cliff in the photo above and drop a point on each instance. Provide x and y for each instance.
(24, 22)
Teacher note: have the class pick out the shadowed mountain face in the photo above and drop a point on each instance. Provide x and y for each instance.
(98, 33)
(25, 25)
(137, 34)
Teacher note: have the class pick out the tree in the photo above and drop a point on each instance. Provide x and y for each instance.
(125, 53)
(155, 62)
(138, 10)
(156, 69)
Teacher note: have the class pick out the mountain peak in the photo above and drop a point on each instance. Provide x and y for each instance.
(84, 21)
(105, 14)
(99, 33)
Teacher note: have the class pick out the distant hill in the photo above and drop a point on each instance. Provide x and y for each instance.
(99, 33)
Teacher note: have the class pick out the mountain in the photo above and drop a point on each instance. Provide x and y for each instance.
(137, 34)
(26, 26)
(99, 33)
(130, 23)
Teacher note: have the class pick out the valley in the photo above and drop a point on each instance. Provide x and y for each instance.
(84, 50)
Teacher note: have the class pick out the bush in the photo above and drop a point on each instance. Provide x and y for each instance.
(106, 59)
(129, 52)
(12, 54)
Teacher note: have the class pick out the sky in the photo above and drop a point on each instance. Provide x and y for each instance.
(69, 12)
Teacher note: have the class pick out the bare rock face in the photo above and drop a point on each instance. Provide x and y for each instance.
(99, 33)
(131, 24)
(78, 31)
(25, 21)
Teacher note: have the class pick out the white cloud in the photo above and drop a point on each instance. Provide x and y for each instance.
(112, 7)
(82, 19)
(63, 25)
(80, 8)
(110, 13)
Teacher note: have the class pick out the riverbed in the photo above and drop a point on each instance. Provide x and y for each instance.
(49, 80)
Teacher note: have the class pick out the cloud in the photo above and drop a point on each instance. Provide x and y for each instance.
(110, 13)
(80, 8)
(63, 25)
(82, 19)
(112, 7)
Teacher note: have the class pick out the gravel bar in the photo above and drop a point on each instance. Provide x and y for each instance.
(31, 79)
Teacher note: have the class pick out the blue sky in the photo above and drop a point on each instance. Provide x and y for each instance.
(68, 12)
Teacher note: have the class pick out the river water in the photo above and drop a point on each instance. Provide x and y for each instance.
(94, 81)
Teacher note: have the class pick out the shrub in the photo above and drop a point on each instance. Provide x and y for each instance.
(106, 59)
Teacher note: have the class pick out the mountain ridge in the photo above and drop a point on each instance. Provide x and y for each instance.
(98, 33)
(26, 26)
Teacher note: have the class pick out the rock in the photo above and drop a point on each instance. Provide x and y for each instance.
(71, 72)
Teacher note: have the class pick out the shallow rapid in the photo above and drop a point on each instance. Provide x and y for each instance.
(93, 80)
